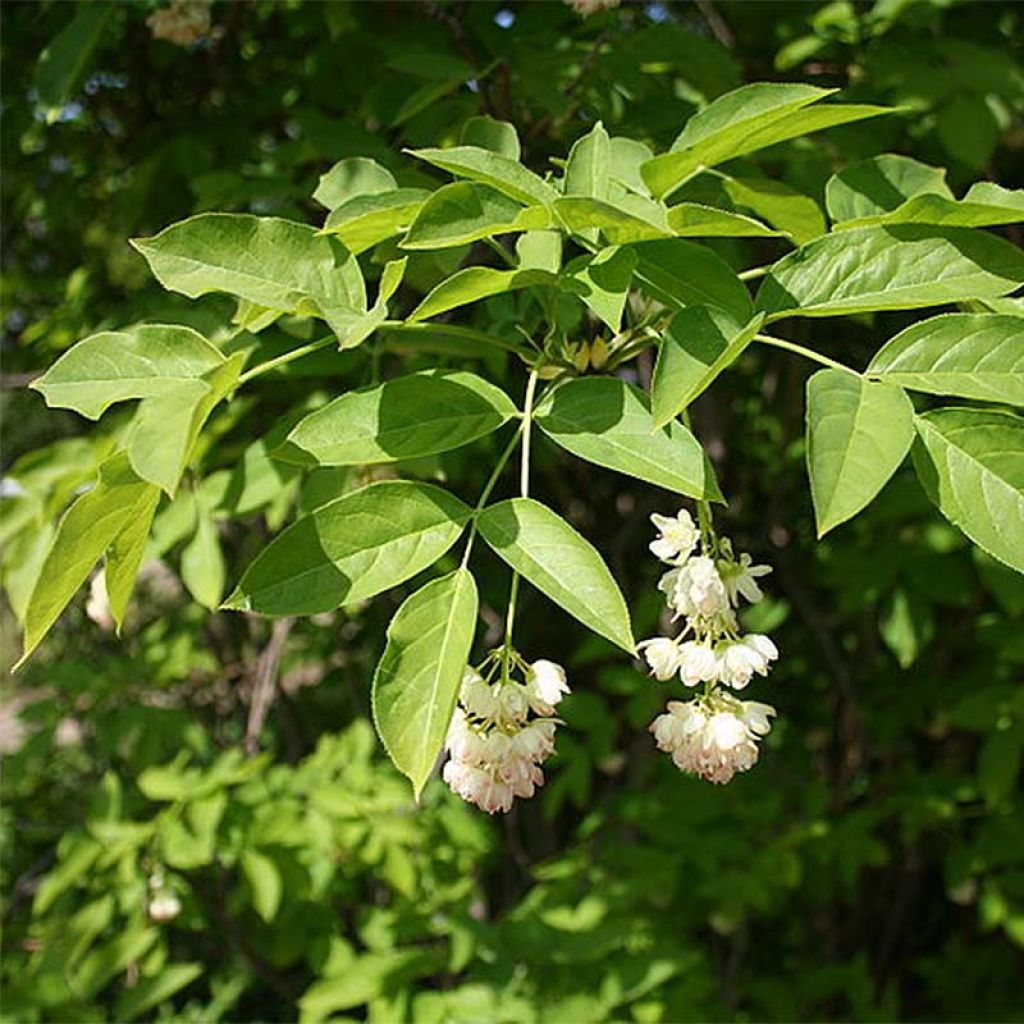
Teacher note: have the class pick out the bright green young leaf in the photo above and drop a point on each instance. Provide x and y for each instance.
(620, 225)
(549, 553)
(971, 463)
(495, 136)
(604, 281)
(124, 556)
(781, 206)
(87, 529)
(275, 263)
(202, 563)
(473, 284)
(489, 168)
(985, 205)
(265, 882)
(540, 250)
(66, 57)
(167, 425)
(608, 422)
(694, 220)
(351, 549)
(879, 185)
(970, 355)
(747, 119)
(465, 212)
(408, 417)
(116, 366)
(362, 222)
(588, 168)
(858, 432)
(699, 344)
(148, 992)
(351, 177)
(899, 267)
(418, 678)
(682, 273)
(627, 157)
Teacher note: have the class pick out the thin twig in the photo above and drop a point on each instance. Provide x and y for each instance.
(265, 686)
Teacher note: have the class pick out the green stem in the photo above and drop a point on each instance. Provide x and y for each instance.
(524, 487)
(509, 259)
(488, 487)
(287, 357)
(807, 353)
(754, 272)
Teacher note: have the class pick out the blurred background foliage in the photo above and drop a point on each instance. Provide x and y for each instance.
(198, 823)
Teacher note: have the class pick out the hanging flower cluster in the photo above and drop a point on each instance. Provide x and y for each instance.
(715, 735)
(496, 748)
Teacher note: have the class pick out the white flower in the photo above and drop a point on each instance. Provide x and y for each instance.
(698, 589)
(740, 579)
(534, 741)
(678, 537)
(738, 660)
(478, 697)
(755, 715)
(164, 906)
(662, 654)
(713, 737)
(697, 663)
(513, 702)
(545, 686)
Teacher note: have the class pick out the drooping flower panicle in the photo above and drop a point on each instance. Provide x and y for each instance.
(495, 748)
(715, 735)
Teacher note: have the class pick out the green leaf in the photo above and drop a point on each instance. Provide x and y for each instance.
(149, 992)
(465, 212)
(783, 207)
(698, 221)
(418, 678)
(627, 157)
(85, 532)
(540, 250)
(473, 284)
(124, 557)
(495, 136)
(900, 267)
(682, 273)
(354, 176)
(971, 463)
(408, 417)
(490, 168)
(64, 61)
(362, 222)
(202, 563)
(275, 263)
(589, 164)
(105, 961)
(265, 882)
(620, 225)
(970, 355)
(699, 344)
(742, 121)
(858, 432)
(604, 281)
(351, 549)
(549, 553)
(117, 366)
(879, 185)
(999, 766)
(167, 426)
(985, 205)
(608, 422)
